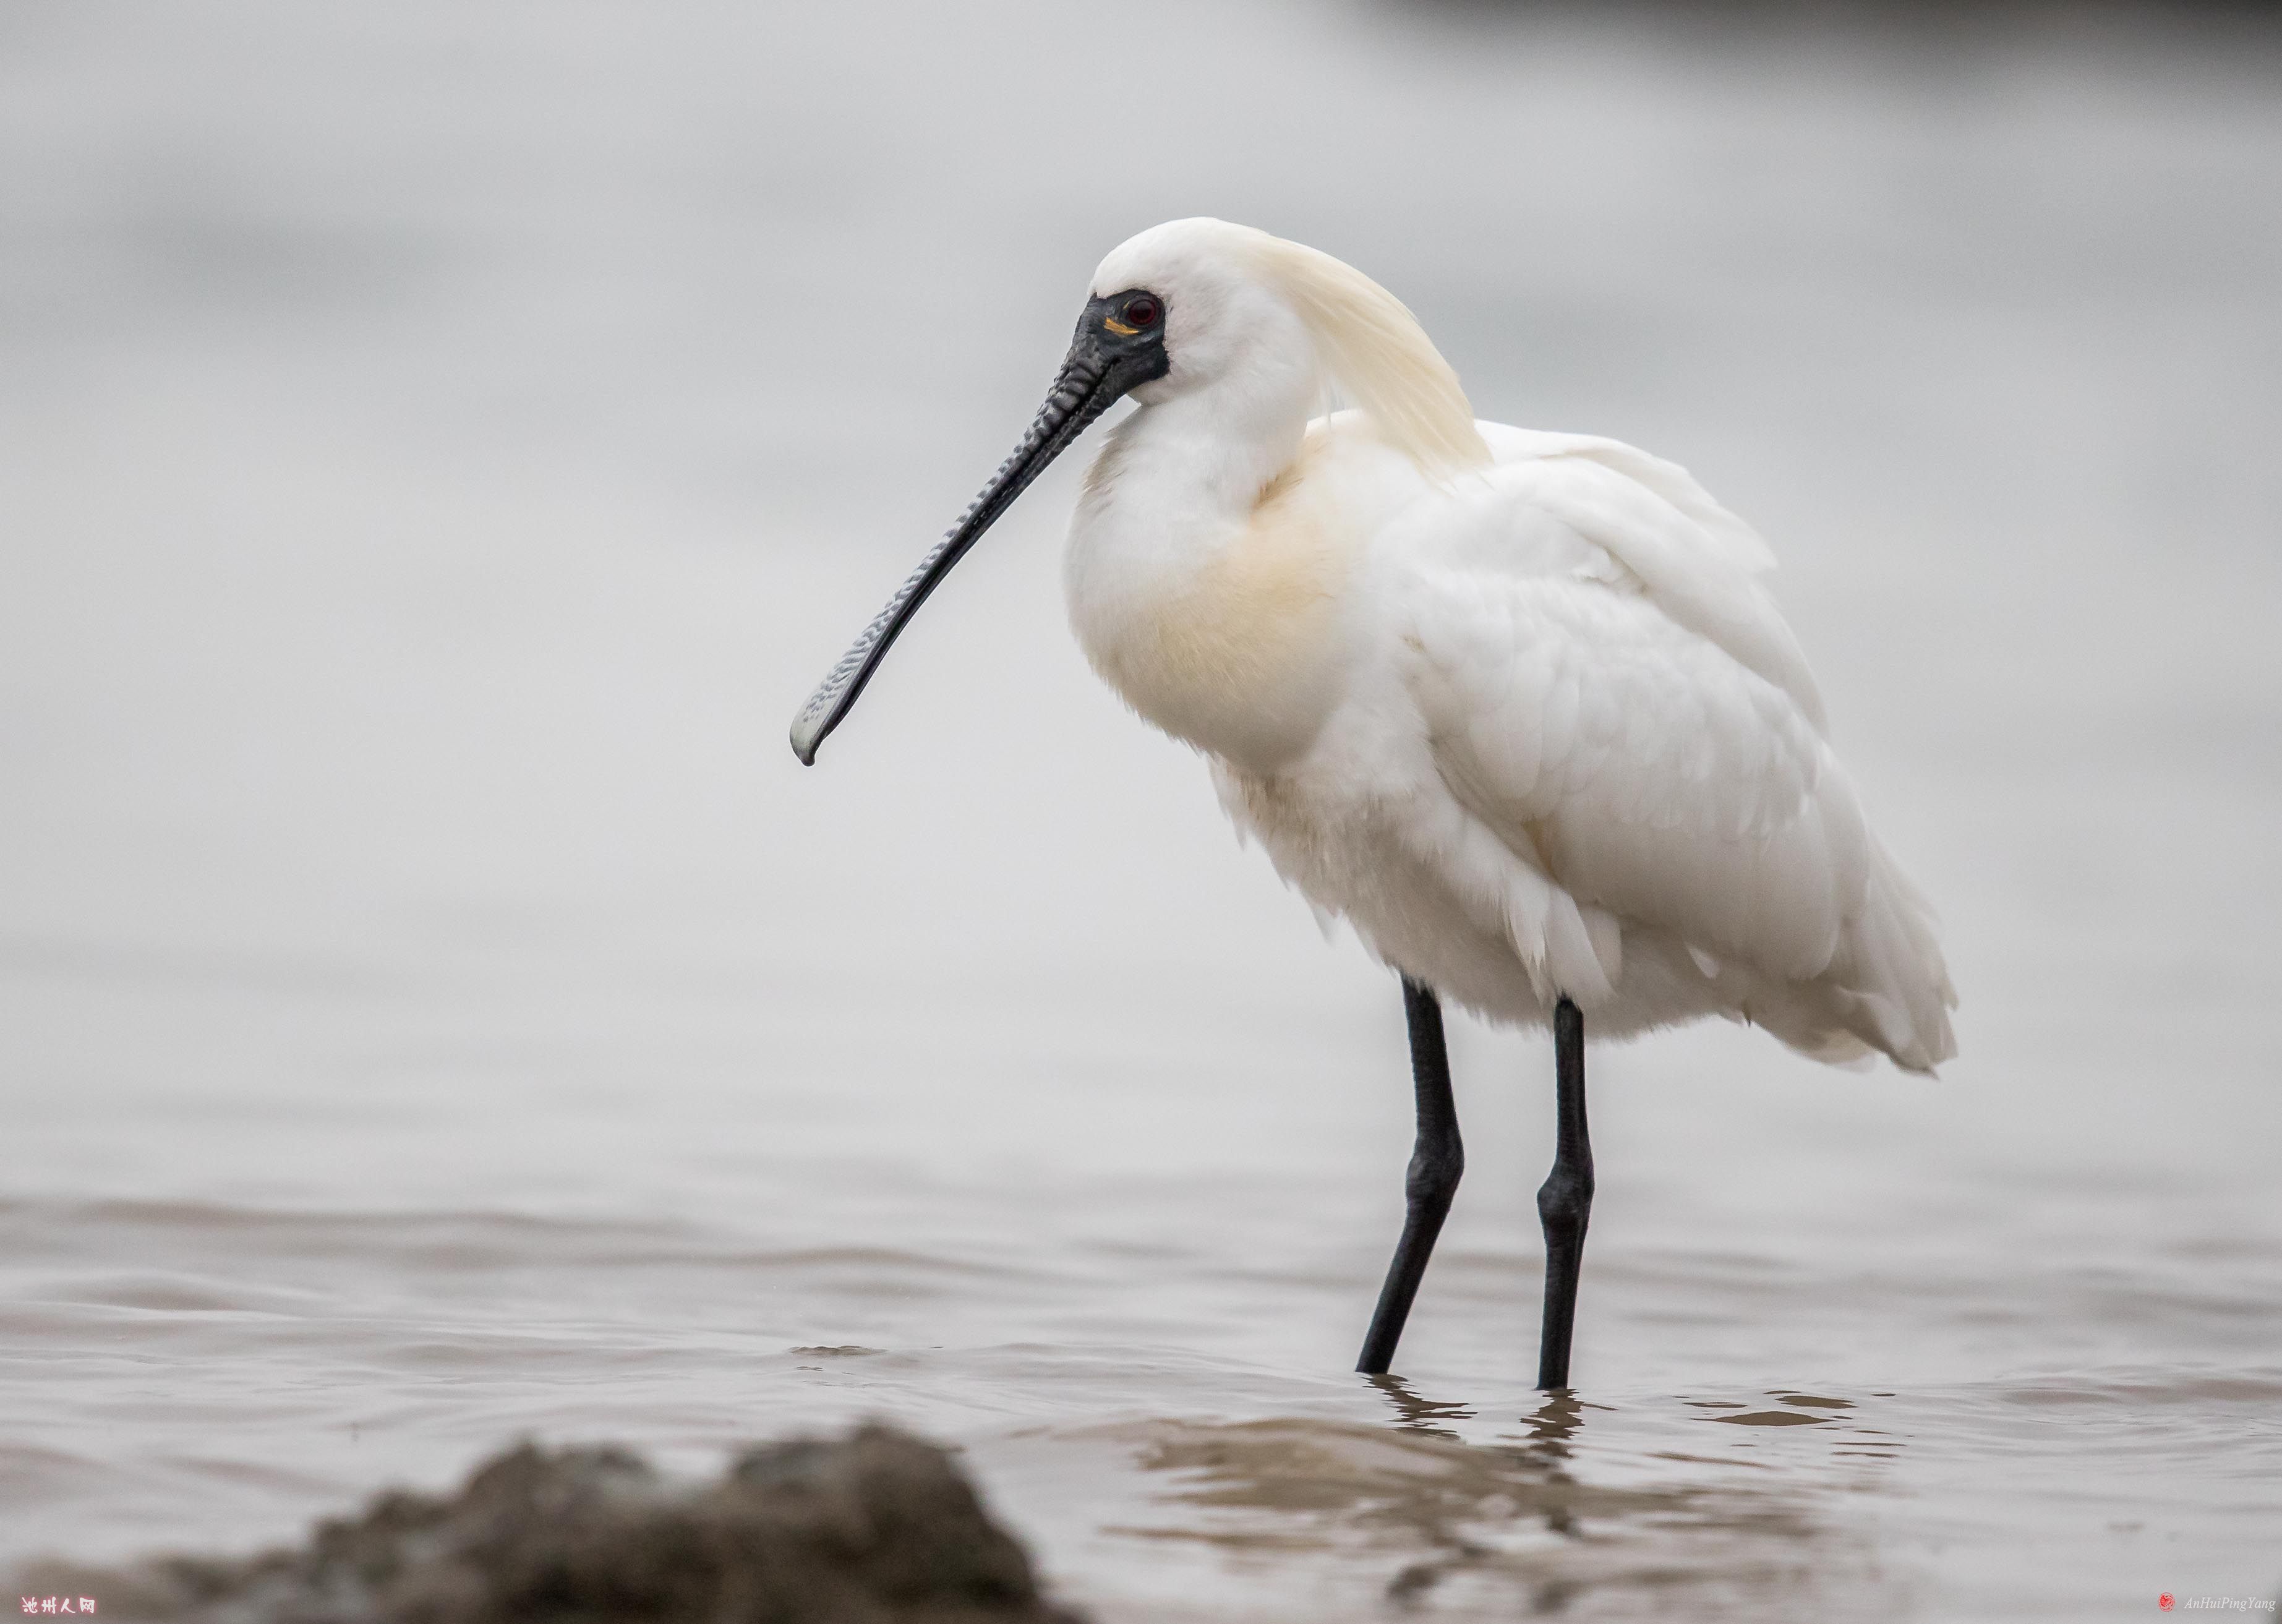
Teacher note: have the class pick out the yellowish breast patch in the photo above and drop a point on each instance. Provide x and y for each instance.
(1238, 648)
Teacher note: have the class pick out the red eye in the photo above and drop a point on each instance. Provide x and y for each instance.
(1143, 312)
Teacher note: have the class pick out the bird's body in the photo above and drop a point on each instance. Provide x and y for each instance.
(1530, 722)
(1517, 706)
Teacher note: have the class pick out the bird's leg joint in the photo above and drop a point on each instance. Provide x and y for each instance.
(1565, 1203)
(1436, 1166)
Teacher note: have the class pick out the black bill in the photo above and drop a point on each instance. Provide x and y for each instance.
(1109, 356)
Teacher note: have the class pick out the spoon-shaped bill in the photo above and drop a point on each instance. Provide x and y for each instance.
(1077, 399)
(1107, 358)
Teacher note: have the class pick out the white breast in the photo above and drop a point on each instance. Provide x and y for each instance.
(1224, 623)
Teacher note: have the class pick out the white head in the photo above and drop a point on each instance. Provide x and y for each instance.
(1190, 307)
(1241, 310)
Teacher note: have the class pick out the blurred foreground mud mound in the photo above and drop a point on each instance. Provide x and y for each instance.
(878, 1528)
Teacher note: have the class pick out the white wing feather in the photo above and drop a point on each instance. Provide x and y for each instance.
(1614, 696)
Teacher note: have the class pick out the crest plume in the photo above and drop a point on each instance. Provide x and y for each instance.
(1374, 348)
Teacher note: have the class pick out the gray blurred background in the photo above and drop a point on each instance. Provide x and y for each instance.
(442, 444)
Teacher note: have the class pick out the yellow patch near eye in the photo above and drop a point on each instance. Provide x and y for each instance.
(1118, 327)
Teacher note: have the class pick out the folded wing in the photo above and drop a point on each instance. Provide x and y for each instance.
(1612, 694)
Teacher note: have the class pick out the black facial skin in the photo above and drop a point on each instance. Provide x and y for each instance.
(1120, 343)
(1137, 356)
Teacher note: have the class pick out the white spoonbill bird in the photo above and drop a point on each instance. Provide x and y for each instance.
(1518, 706)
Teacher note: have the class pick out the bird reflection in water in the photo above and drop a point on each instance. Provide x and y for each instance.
(1490, 1519)
(1420, 1415)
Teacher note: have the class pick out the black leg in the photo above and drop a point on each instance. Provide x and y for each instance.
(1436, 1162)
(1564, 1201)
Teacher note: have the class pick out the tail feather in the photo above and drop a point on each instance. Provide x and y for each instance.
(1890, 965)
(1887, 990)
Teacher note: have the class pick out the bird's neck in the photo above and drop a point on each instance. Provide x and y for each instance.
(1201, 584)
(1188, 472)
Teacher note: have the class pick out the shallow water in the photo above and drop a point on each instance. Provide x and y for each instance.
(442, 449)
